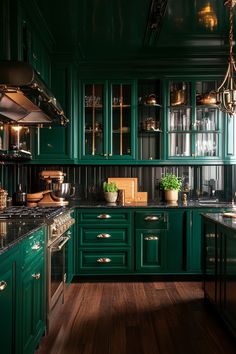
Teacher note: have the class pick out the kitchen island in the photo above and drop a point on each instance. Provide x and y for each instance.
(220, 265)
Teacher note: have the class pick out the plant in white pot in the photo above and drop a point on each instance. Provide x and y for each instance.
(110, 191)
(171, 184)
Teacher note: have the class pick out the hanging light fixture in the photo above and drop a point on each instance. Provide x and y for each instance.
(226, 92)
(207, 17)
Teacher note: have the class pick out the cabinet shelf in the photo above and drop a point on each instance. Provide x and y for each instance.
(150, 105)
(149, 132)
(98, 106)
(121, 106)
(179, 107)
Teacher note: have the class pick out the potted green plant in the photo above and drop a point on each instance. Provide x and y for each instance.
(110, 191)
(171, 184)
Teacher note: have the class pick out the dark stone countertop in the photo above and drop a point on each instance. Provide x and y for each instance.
(190, 204)
(225, 221)
(13, 232)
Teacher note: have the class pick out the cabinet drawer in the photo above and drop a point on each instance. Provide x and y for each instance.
(33, 246)
(151, 220)
(104, 237)
(104, 217)
(104, 261)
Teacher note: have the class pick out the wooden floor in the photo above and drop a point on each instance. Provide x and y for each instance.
(136, 318)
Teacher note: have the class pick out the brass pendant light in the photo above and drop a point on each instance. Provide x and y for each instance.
(226, 92)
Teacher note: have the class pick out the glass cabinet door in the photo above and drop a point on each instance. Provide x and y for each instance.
(180, 119)
(93, 107)
(207, 120)
(121, 118)
(149, 120)
(193, 120)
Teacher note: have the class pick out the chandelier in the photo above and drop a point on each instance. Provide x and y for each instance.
(226, 92)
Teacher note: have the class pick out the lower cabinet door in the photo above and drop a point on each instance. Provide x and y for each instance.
(210, 271)
(32, 306)
(150, 251)
(7, 306)
(104, 261)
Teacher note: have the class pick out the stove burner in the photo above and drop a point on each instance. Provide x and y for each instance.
(26, 213)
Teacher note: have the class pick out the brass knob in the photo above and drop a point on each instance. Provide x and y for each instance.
(103, 260)
(103, 236)
(3, 285)
(36, 247)
(151, 238)
(104, 216)
(36, 276)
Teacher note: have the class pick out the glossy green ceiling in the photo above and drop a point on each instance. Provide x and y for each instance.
(117, 29)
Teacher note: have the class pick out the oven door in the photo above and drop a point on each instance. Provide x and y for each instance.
(56, 270)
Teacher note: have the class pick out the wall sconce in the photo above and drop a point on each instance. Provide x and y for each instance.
(207, 17)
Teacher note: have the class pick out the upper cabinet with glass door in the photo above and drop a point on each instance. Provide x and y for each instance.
(149, 120)
(193, 121)
(108, 121)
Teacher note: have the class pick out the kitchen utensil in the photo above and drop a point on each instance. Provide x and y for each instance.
(150, 124)
(206, 99)
(63, 190)
(19, 197)
(177, 97)
(151, 99)
(127, 184)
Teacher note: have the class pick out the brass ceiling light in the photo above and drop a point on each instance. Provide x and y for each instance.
(226, 92)
(207, 17)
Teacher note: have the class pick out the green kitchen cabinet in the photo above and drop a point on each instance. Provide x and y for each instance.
(151, 240)
(57, 144)
(228, 275)
(33, 291)
(229, 141)
(151, 251)
(9, 293)
(220, 269)
(104, 242)
(150, 127)
(70, 255)
(211, 270)
(108, 121)
(194, 123)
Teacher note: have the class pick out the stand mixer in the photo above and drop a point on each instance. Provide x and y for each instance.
(49, 199)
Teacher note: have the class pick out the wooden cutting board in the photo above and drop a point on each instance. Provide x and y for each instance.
(230, 215)
(129, 185)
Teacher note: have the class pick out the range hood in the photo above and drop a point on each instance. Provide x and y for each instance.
(25, 99)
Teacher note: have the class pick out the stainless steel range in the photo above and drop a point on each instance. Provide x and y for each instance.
(59, 221)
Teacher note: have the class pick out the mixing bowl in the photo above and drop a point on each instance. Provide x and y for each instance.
(63, 190)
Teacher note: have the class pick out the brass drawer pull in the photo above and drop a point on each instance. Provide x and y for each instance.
(104, 216)
(152, 218)
(151, 238)
(103, 236)
(3, 285)
(36, 276)
(103, 260)
(36, 247)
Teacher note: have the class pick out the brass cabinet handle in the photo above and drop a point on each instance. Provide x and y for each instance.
(103, 260)
(152, 218)
(151, 238)
(3, 285)
(36, 247)
(103, 236)
(36, 276)
(104, 216)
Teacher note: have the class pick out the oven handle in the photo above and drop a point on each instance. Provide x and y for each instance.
(60, 245)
